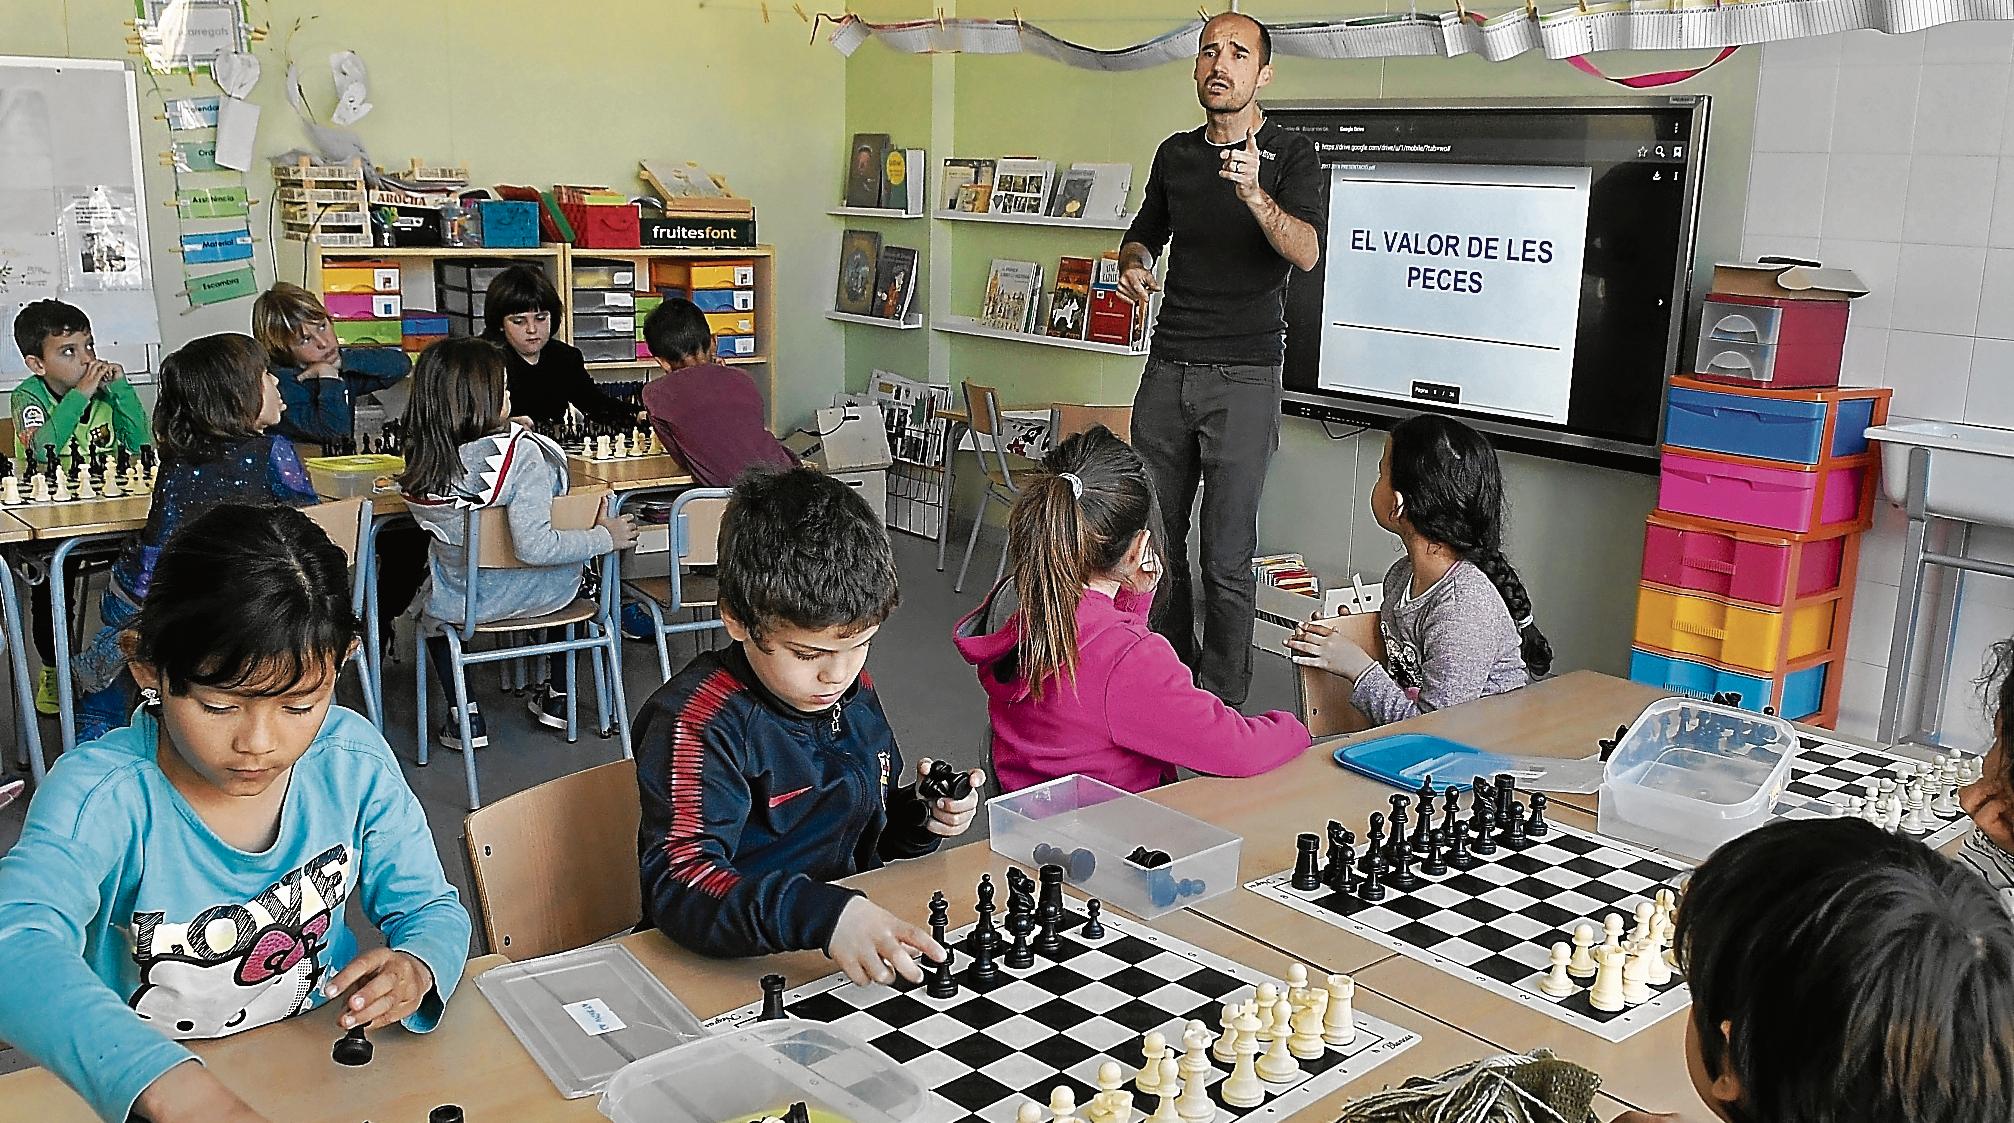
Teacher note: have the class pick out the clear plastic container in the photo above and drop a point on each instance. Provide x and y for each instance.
(346, 477)
(1093, 827)
(759, 1071)
(585, 1014)
(1690, 775)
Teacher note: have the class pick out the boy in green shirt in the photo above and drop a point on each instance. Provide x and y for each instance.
(69, 395)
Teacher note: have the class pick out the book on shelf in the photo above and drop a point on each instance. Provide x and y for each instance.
(865, 168)
(1073, 191)
(975, 198)
(1113, 318)
(859, 250)
(902, 174)
(894, 282)
(1021, 185)
(1105, 271)
(960, 173)
(1070, 303)
(1110, 185)
(1013, 294)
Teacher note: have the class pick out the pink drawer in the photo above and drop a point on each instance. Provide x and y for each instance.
(1757, 494)
(362, 305)
(1755, 568)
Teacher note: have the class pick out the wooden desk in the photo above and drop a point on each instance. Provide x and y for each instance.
(635, 473)
(94, 516)
(471, 1059)
(13, 529)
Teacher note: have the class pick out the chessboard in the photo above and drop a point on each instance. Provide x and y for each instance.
(1825, 774)
(1494, 924)
(987, 1051)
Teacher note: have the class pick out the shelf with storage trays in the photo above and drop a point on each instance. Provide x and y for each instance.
(410, 296)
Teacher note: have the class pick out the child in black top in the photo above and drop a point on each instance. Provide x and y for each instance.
(1843, 974)
(521, 312)
(768, 770)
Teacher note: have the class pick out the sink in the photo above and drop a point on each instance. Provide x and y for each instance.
(1971, 468)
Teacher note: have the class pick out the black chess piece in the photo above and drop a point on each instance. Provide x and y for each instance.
(1078, 864)
(147, 458)
(1536, 826)
(1020, 892)
(1424, 808)
(1514, 833)
(1020, 954)
(1482, 821)
(1094, 928)
(447, 1113)
(985, 969)
(983, 934)
(798, 1112)
(1397, 841)
(944, 781)
(1506, 785)
(124, 462)
(1307, 863)
(1049, 912)
(1450, 814)
(1403, 878)
(1373, 887)
(941, 983)
(1374, 841)
(353, 1049)
(1459, 856)
(1432, 865)
(49, 464)
(1425, 799)
(772, 999)
(1335, 867)
(1347, 883)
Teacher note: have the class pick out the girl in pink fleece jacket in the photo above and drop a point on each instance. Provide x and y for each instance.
(1075, 681)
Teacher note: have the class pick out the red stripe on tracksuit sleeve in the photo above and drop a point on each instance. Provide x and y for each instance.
(690, 866)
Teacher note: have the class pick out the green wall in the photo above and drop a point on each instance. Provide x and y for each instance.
(1576, 532)
(536, 93)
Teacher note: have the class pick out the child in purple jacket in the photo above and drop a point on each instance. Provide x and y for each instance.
(1076, 681)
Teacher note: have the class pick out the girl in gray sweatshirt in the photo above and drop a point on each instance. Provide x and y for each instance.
(1456, 622)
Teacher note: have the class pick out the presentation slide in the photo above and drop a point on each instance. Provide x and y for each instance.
(1455, 284)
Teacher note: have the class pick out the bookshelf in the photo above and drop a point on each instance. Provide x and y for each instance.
(910, 322)
(873, 212)
(970, 325)
(1119, 222)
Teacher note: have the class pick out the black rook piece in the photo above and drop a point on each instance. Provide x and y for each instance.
(1506, 795)
(772, 999)
(353, 1049)
(1307, 862)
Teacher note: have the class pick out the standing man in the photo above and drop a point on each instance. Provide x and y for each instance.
(1242, 200)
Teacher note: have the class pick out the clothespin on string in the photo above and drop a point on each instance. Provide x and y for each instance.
(799, 9)
(765, 12)
(1531, 10)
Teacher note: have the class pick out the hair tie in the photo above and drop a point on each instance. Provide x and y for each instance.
(1076, 485)
(1521, 625)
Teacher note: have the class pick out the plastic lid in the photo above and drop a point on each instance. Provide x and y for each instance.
(584, 1014)
(758, 1071)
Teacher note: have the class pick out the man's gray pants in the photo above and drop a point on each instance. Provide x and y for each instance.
(1216, 425)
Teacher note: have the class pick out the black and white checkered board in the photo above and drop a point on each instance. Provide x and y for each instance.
(1495, 925)
(984, 1055)
(1825, 772)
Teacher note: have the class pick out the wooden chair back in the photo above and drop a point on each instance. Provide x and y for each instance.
(982, 408)
(1324, 699)
(1067, 419)
(555, 866)
(345, 521)
(576, 510)
(702, 530)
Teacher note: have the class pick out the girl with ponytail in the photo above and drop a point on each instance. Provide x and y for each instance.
(1075, 681)
(1457, 622)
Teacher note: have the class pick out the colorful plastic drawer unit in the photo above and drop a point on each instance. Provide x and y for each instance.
(1797, 426)
(1730, 634)
(1755, 340)
(1759, 493)
(1794, 696)
(1740, 563)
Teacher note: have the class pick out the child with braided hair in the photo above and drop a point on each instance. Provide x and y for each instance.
(1457, 622)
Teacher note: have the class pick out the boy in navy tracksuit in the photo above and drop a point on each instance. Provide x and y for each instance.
(769, 770)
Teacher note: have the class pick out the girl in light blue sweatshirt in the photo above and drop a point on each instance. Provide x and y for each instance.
(186, 876)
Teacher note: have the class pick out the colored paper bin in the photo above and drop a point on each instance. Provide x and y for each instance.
(1730, 634)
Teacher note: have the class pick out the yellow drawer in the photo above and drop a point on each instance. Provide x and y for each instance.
(731, 323)
(360, 278)
(1733, 635)
(722, 274)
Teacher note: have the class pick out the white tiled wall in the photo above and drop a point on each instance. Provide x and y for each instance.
(1894, 155)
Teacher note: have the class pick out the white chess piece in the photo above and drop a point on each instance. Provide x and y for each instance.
(85, 489)
(1063, 1104)
(1606, 993)
(1031, 1112)
(38, 491)
(1264, 997)
(1611, 931)
(1660, 967)
(1946, 804)
(113, 488)
(1339, 1019)
(1225, 1049)
(1278, 1065)
(1641, 928)
(1111, 1078)
(1297, 983)
(603, 448)
(1636, 973)
(1556, 982)
(1582, 965)
(1243, 1087)
(1305, 1042)
(1154, 1047)
(1194, 1103)
(656, 444)
(10, 491)
(62, 487)
(1171, 1087)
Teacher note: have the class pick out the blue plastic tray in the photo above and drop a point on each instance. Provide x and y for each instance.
(1404, 759)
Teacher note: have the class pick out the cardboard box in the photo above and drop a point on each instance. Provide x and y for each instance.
(1782, 278)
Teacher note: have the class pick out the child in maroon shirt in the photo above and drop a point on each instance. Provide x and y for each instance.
(707, 414)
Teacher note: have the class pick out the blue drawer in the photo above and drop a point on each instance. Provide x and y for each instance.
(1803, 691)
(1768, 428)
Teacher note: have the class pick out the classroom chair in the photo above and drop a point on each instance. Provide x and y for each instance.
(982, 406)
(1322, 700)
(695, 541)
(347, 522)
(555, 866)
(1067, 419)
(487, 533)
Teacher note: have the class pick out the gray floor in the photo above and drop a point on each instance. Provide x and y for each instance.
(931, 697)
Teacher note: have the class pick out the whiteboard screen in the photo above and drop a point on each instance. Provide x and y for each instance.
(73, 214)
